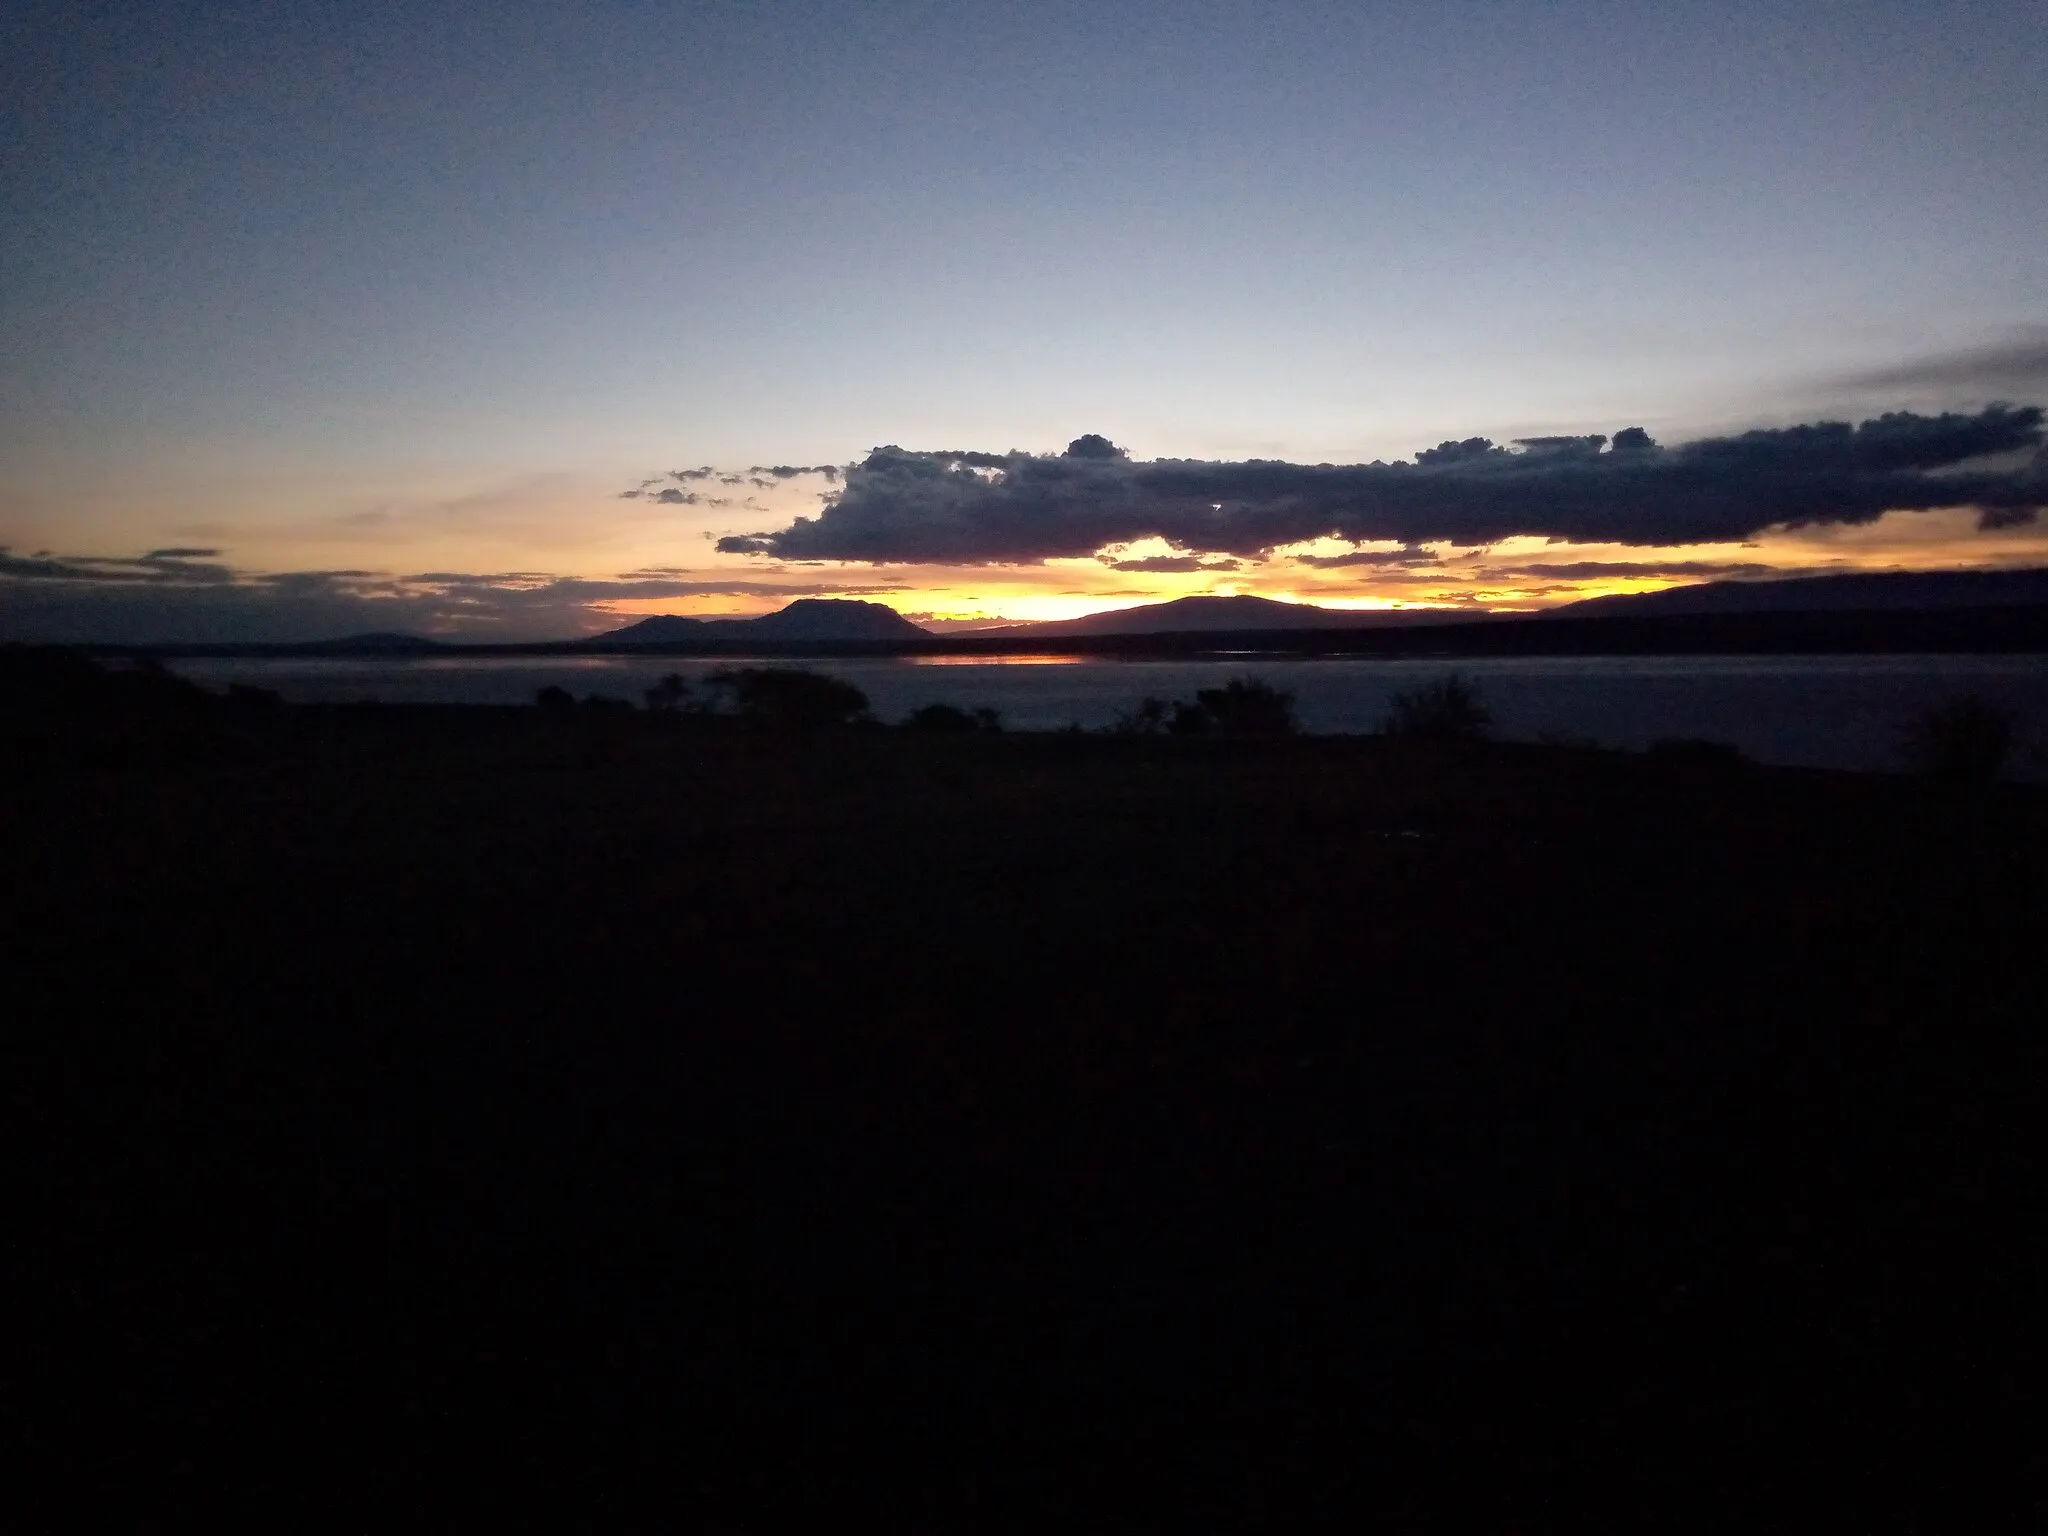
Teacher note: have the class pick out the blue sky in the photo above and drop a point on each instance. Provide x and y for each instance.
(415, 290)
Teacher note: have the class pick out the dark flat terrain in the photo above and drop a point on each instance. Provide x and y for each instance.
(457, 1115)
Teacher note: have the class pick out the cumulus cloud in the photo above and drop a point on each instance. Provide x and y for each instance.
(972, 508)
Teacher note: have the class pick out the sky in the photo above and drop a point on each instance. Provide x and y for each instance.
(318, 318)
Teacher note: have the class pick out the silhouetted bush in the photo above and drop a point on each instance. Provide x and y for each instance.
(1189, 720)
(950, 717)
(672, 693)
(940, 717)
(786, 698)
(1688, 749)
(604, 704)
(1449, 709)
(45, 684)
(253, 703)
(1248, 706)
(1965, 741)
(553, 700)
(1148, 717)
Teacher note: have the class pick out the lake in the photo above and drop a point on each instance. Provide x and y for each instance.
(1817, 711)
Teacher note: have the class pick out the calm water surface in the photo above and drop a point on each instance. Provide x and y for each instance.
(1821, 711)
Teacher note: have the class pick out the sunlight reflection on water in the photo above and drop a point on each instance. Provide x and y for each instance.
(993, 661)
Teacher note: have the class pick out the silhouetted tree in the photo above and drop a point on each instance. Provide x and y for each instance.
(1189, 720)
(52, 689)
(253, 703)
(1962, 742)
(1148, 717)
(950, 717)
(1693, 749)
(1248, 706)
(553, 700)
(786, 698)
(940, 717)
(1449, 709)
(672, 693)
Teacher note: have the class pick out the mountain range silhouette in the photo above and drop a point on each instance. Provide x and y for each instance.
(808, 618)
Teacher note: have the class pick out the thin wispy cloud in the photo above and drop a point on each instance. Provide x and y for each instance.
(163, 597)
(2013, 368)
(1174, 564)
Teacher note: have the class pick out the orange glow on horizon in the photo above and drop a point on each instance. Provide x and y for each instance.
(669, 566)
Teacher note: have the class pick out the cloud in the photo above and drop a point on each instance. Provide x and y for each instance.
(1396, 558)
(971, 508)
(791, 471)
(160, 567)
(2016, 367)
(1165, 563)
(163, 598)
(1583, 570)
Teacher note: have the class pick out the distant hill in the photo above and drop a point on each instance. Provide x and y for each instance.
(808, 618)
(377, 643)
(1190, 615)
(385, 643)
(1866, 591)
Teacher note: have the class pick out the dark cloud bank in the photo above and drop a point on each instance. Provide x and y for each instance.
(972, 508)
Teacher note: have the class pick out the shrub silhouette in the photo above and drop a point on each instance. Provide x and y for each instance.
(1693, 749)
(51, 683)
(950, 717)
(1449, 709)
(1148, 717)
(554, 700)
(1965, 741)
(670, 694)
(786, 698)
(1190, 720)
(1248, 706)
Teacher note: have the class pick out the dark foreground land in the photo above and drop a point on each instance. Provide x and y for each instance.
(463, 1116)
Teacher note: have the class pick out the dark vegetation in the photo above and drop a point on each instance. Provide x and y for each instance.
(1449, 709)
(1965, 741)
(1691, 749)
(1244, 706)
(429, 1121)
(951, 718)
